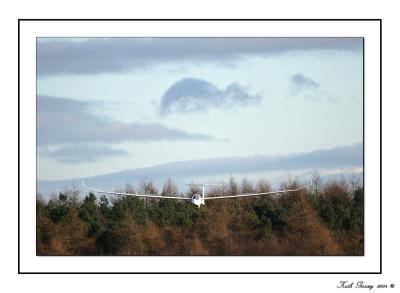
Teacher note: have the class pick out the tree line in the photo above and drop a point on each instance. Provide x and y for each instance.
(325, 219)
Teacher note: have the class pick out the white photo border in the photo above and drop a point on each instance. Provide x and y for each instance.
(369, 30)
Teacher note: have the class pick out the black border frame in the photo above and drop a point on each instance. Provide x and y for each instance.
(288, 273)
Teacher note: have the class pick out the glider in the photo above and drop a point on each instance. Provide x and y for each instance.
(196, 199)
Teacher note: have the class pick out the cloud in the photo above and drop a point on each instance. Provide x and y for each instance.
(193, 94)
(301, 82)
(69, 131)
(308, 88)
(340, 157)
(344, 157)
(78, 153)
(64, 120)
(65, 56)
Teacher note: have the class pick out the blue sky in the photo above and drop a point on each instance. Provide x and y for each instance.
(106, 105)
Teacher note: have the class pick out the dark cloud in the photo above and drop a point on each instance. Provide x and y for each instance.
(78, 153)
(108, 55)
(192, 94)
(63, 120)
(309, 89)
(301, 82)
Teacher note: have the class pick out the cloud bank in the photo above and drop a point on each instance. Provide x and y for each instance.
(193, 94)
(340, 157)
(71, 128)
(344, 157)
(58, 56)
(79, 153)
(71, 121)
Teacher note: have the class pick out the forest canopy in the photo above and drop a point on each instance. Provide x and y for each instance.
(325, 219)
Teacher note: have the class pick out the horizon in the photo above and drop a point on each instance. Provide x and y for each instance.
(330, 164)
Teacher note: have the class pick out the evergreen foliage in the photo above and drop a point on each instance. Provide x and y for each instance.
(328, 220)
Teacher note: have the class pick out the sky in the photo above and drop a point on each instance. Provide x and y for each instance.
(111, 104)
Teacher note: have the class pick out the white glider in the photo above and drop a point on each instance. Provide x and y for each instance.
(196, 199)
